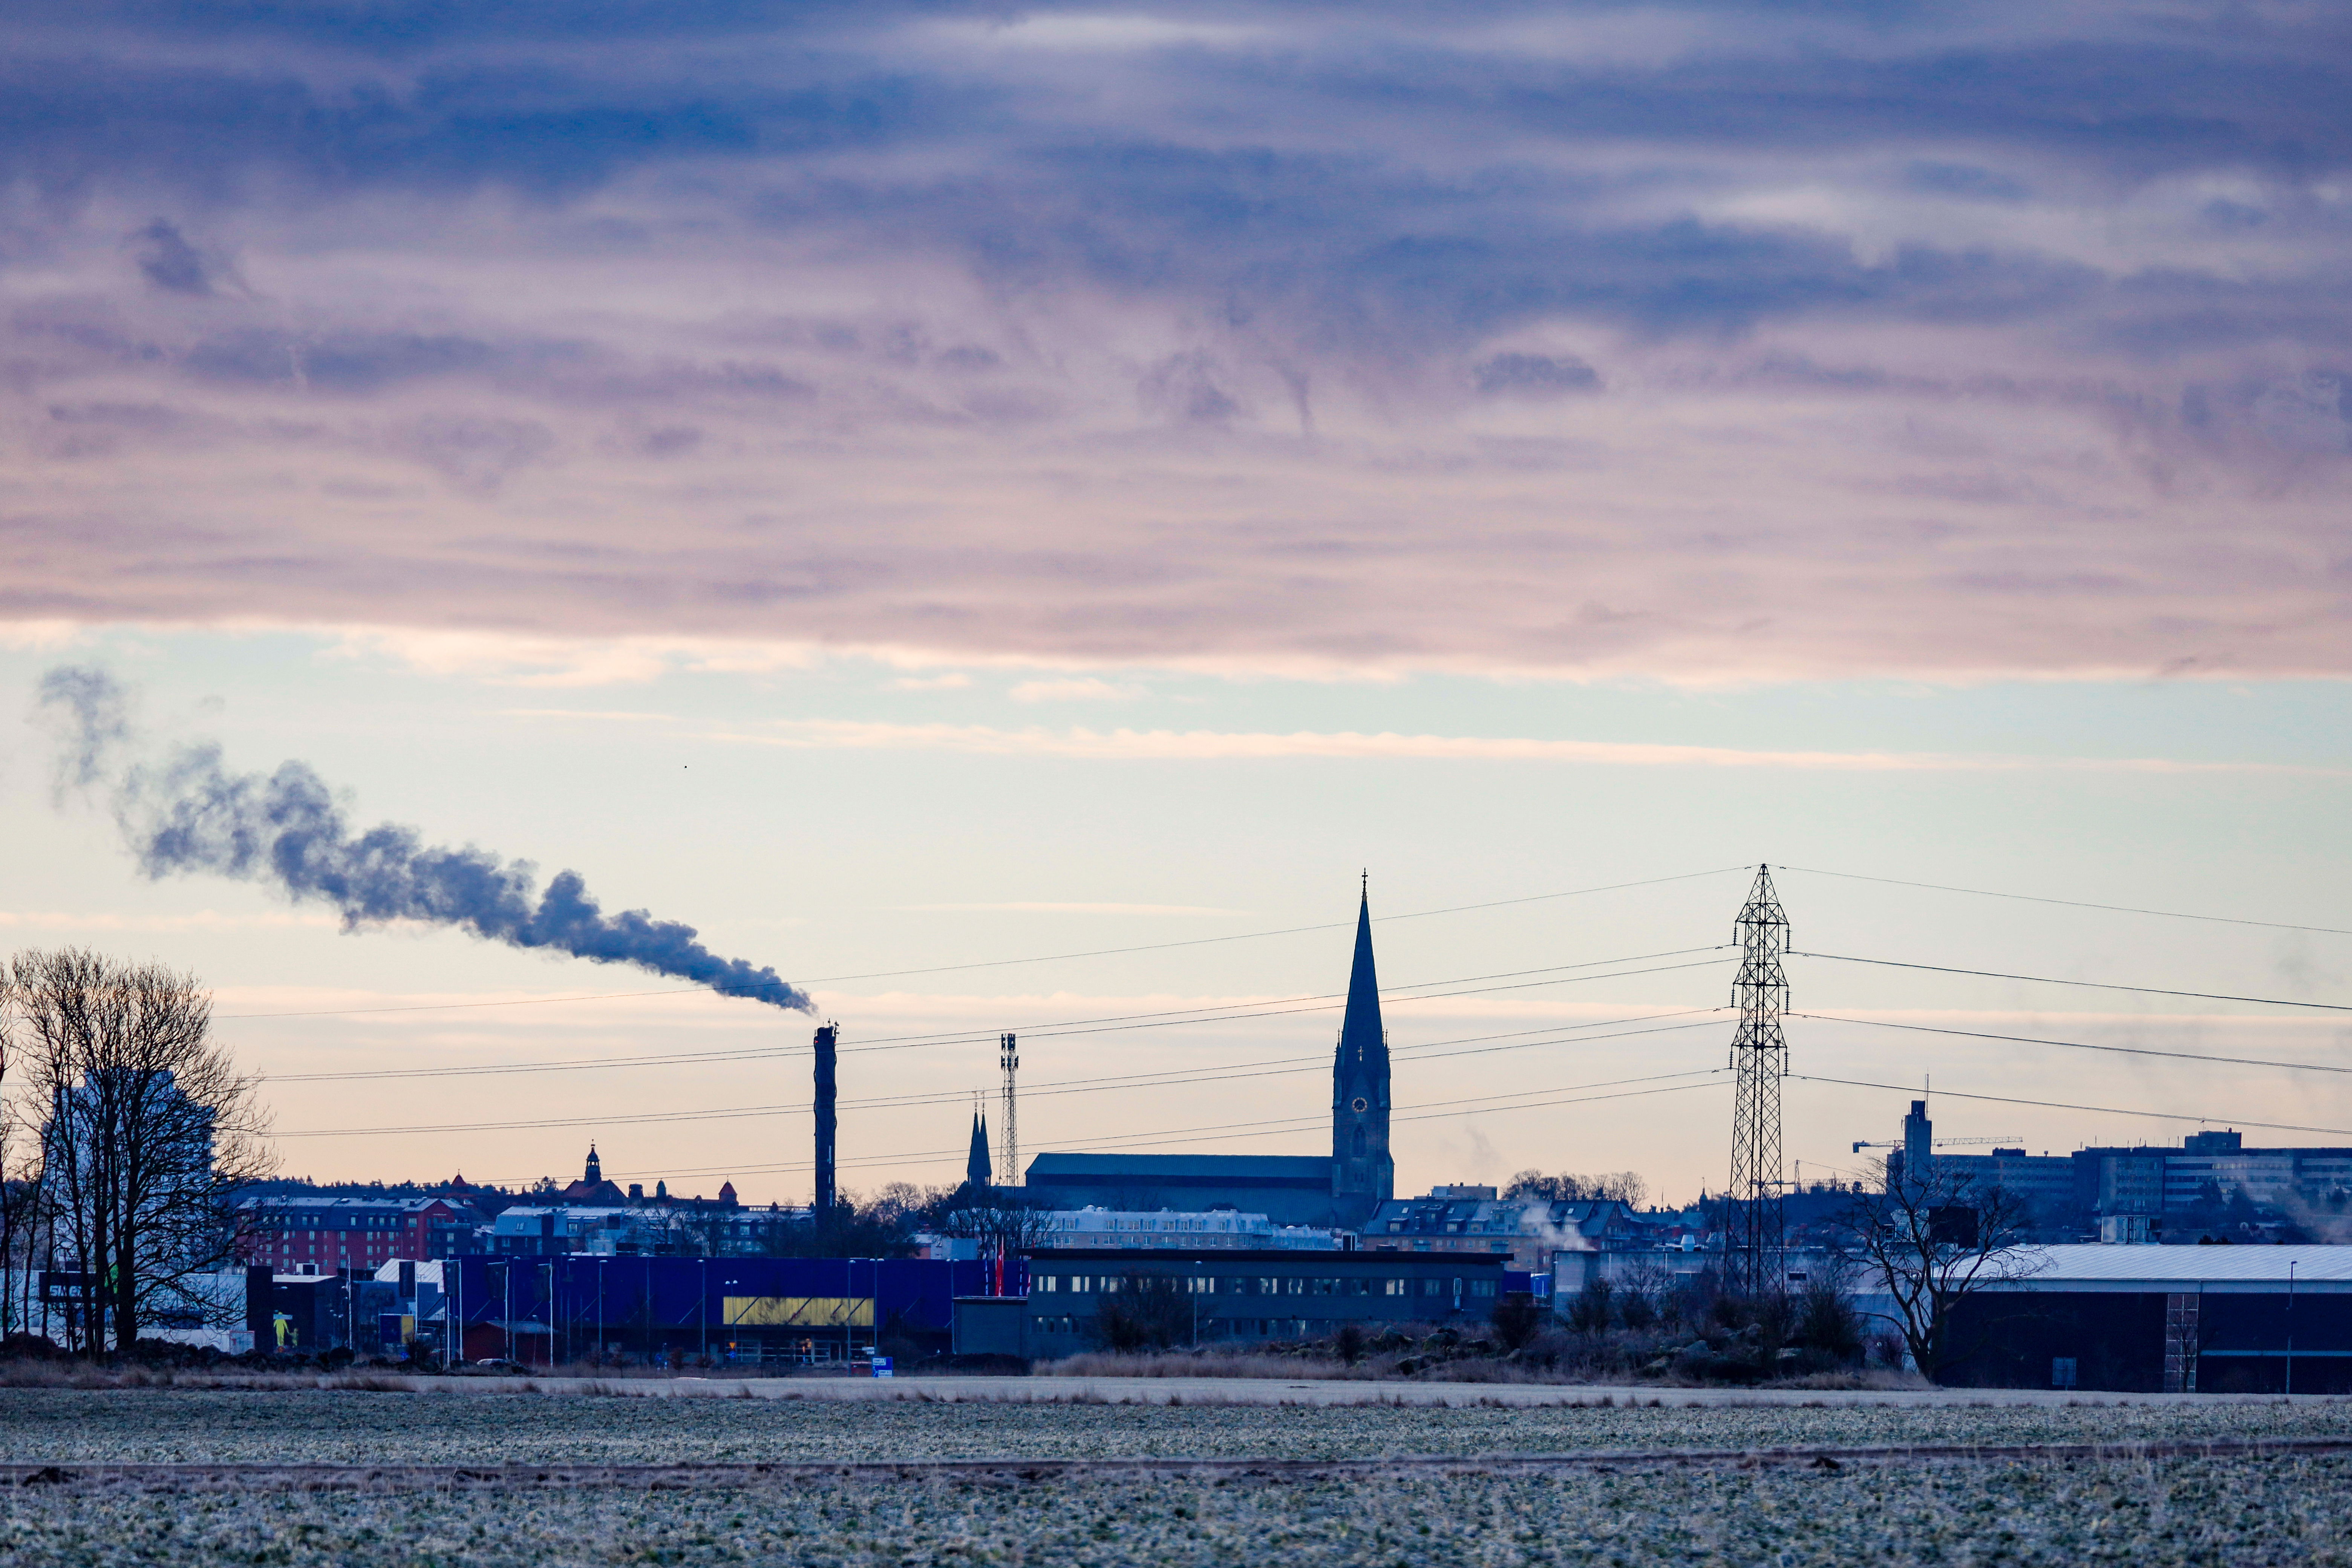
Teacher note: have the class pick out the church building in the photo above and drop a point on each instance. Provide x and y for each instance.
(1341, 1190)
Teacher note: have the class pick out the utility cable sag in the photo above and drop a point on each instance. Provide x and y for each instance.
(2083, 984)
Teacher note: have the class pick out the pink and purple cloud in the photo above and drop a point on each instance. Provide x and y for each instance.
(1699, 342)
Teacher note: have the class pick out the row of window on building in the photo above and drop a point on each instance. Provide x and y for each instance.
(1255, 1285)
(1072, 1325)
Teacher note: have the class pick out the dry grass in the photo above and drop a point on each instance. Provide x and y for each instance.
(1383, 1368)
(1202, 1364)
(82, 1375)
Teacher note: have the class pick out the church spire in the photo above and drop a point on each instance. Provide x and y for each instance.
(977, 1166)
(1362, 1174)
(1362, 1040)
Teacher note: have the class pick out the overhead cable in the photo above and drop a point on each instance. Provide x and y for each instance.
(988, 963)
(2080, 1045)
(2083, 984)
(1709, 1078)
(1322, 1002)
(2070, 903)
(1922, 1090)
(954, 1096)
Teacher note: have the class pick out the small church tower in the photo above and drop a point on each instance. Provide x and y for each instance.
(978, 1169)
(1363, 1177)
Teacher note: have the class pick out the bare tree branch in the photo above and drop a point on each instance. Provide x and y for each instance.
(147, 1131)
(1929, 1239)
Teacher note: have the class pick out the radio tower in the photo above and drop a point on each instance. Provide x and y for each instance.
(1752, 1251)
(1009, 1160)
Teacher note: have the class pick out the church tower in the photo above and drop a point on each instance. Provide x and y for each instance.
(978, 1169)
(1362, 1174)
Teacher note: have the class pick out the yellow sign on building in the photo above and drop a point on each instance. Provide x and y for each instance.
(799, 1311)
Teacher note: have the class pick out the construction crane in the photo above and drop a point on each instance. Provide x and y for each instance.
(2017, 1138)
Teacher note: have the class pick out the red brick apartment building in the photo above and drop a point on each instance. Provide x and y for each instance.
(294, 1233)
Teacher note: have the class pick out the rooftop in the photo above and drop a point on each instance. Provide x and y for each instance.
(2159, 1267)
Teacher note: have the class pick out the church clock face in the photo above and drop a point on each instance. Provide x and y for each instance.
(1359, 1105)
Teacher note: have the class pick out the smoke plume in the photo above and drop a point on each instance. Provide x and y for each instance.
(186, 812)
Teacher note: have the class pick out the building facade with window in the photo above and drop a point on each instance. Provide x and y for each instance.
(305, 1235)
(1173, 1230)
(1257, 1295)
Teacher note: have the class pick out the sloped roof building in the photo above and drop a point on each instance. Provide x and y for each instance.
(1340, 1189)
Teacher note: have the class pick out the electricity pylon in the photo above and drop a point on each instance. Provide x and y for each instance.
(1753, 1258)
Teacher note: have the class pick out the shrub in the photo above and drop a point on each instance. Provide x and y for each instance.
(1593, 1308)
(1152, 1313)
(1827, 1324)
(1518, 1319)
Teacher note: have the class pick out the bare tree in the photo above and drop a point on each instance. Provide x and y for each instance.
(1003, 1224)
(147, 1131)
(1145, 1312)
(1930, 1239)
(1628, 1187)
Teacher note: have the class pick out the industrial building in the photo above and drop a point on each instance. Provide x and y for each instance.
(1341, 1191)
(562, 1309)
(2217, 1320)
(1233, 1296)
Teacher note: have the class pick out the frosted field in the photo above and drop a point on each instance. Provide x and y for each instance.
(81, 1426)
(2230, 1510)
(2235, 1512)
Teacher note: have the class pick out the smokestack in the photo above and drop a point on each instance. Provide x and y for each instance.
(189, 813)
(827, 1119)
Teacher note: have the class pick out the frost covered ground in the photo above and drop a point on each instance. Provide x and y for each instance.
(2182, 1511)
(2231, 1509)
(70, 1426)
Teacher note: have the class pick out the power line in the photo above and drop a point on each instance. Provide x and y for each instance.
(2080, 1045)
(1278, 1067)
(2070, 903)
(988, 963)
(1117, 1022)
(1289, 931)
(2063, 1105)
(1713, 1075)
(2084, 984)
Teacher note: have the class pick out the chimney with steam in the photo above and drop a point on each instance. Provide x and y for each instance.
(827, 1121)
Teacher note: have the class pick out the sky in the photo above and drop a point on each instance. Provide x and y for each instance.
(917, 492)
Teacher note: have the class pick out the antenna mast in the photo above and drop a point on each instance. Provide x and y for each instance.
(1753, 1249)
(1009, 1158)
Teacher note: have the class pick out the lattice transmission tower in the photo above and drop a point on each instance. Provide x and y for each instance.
(1752, 1252)
(1008, 1160)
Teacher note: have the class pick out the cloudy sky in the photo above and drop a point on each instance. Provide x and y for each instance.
(908, 486)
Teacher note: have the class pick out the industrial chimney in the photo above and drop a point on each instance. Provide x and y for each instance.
(828, 1118)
